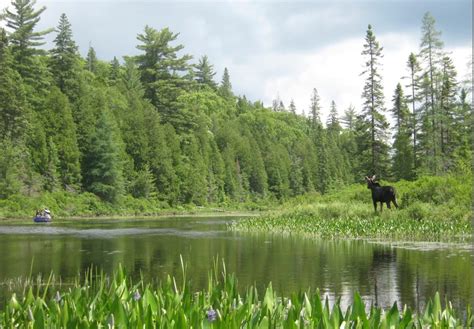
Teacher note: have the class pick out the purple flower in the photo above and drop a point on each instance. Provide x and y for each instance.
(211, 315)
(136, 295)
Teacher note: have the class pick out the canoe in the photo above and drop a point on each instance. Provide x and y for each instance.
(42, 219)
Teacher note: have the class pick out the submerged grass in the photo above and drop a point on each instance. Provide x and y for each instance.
(431, 208)
(97, 301)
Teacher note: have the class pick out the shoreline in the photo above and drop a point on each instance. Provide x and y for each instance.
(171, 214)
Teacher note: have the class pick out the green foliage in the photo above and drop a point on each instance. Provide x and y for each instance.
(374, 108)
(157, 127)
(103, 160)
(96, 300)
(433, 208)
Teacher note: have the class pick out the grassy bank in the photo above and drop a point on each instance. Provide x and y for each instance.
(88, 205)
(96, 301)
(431, 208)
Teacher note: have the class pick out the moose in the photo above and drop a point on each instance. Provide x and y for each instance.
(381, 194)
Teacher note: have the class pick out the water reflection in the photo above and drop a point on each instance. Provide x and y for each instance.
(381, 273)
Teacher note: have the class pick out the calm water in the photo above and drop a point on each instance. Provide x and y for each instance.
(381, 272)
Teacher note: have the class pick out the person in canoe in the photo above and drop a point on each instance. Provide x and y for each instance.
(42, 216)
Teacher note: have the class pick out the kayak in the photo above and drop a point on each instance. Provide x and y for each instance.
(42, 219)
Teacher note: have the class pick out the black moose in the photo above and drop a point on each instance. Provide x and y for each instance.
(381, 194)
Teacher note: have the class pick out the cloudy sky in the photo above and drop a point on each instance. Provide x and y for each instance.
(275, 48)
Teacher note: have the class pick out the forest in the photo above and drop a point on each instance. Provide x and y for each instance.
(160, 126)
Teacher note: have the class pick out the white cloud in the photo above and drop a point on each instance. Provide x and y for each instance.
(335, 71)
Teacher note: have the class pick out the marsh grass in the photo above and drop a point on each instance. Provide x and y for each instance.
(98, 301)
(431, 209)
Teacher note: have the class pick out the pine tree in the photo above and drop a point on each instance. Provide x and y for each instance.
(373, 107)
(24, 40)
(204, 73)
(402, 160)
(414, 86)
(161, 69)
(431, 48)
(65, 57)
(225, 89)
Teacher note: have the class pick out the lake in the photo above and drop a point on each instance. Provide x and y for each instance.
(382, 272)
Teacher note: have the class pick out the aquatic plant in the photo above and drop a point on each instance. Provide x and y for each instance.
(431, 209)
(96, 300)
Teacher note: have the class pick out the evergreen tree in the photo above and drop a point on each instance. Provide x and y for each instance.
(10, 164)
(315, 109)
(103, 160)
(161, 69)
(225, 89)
(402, 160)
(431, 48)
(292, 107)
(13, 117)
(447, 109)
(204, 73)
(91, 60)
(414, 86)
(114, 74)
(373, 107)
(349, 118)
(59, 125)
(24, 40)
(333, 120)
(65, 57)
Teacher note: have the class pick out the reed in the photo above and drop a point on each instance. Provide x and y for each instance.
(98, 301)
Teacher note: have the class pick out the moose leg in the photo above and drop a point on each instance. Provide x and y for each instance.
(381, 206)
(375, 206)
(395, 202)
(388, 205)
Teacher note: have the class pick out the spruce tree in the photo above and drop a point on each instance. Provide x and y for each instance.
(447, 111)
(65, 57)
(91, 60)
(402, 161)
(114, 74)
(315, 109)
(332, 123)
(292, 107)
(225, 89)
(431, 49)
(349, 117)
(59, 125)
(103, 163)
(373, 106)
(414, 85)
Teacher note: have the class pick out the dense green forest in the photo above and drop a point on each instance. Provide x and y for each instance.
(158, 125)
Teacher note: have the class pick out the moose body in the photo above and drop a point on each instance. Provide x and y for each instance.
(382, 194)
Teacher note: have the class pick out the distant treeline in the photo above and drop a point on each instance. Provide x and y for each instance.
(158, 125)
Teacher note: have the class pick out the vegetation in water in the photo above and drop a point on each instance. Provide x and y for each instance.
(431, 208)
(156, 130)
(96, 300)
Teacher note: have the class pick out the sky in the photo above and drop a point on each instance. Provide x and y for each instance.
(276, 48)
